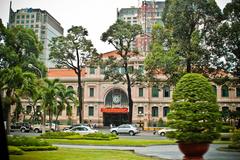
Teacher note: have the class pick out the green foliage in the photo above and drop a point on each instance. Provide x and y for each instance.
(235, 140)
(12, 150)
(120, 35)
(57, 135)
(20, 47)
(76, 136)
(26, 141)
(194, 88)
(225, 41)
(73, 51)
(194, 110)
(183, 18)
(100, 136)
(225, 128)
(38, 148)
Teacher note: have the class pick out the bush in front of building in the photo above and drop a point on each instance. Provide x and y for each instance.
(94, 136)
(13, 150)
(57, 135)
(194, 111)
(26, 141)
(38, 148)
(225, 128)
(235, 140)
(100, 136)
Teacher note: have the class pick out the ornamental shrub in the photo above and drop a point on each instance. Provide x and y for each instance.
(12, 150)
(194, 110)
(57, 135)
(26, 141)
(38, 148)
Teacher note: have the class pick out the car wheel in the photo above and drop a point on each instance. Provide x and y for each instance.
(36, 130)
(52, 130)
(162, 134)
(22, 130)
(114, 132)
(131, 133)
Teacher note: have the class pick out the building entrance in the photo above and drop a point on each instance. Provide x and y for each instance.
(115, 119)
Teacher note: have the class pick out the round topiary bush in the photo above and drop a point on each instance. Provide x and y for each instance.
(194, 110)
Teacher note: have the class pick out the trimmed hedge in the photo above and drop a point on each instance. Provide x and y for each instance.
(26, 141)
(12, 150)
(57, 135)
(38, 148)
(74, 136)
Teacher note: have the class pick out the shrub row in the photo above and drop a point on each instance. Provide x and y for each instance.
(26, 141)
(57, 135)
(38, 148)
(12, 150)
(74, 136)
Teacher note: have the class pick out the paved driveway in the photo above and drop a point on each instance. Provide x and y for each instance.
(166, 151)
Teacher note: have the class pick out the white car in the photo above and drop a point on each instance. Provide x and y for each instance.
(81, 130)
(38, 127)
(163, 131)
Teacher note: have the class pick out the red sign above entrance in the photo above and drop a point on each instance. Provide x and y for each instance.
(114, 110)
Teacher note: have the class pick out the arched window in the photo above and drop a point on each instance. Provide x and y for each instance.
(225, 91)
(155, 111)
(238, 91)
(70, 87)
(28, 109)
(166, 110)
(225, 109)
(166, 91)
(214, 89)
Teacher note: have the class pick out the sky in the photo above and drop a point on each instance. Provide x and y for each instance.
(95, 15)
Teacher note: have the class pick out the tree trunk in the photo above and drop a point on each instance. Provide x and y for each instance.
(130, 101)
(80, 95)
(3, 138)
(43, 121)
(189, 68)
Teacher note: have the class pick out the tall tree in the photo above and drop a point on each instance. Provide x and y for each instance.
(20, 47)
(121, 35)
(73, 51)
(49, 99)
(12, 80)
(226, 41)
(191, 22)
(65, 99)
(163, 57)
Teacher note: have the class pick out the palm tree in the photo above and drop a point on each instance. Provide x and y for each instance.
(49, 99)
(65, 98)
(12, 80)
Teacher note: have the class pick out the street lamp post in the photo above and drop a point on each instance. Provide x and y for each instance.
(34, 67)
(40, 73)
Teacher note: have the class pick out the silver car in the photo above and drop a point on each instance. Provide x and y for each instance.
(125, 128)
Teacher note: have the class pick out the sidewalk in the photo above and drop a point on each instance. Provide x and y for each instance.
(170, 152)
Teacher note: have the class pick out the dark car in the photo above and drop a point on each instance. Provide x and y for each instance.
(21, 126)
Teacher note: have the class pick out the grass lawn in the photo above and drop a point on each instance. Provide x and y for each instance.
(77, 154)
(117, 142)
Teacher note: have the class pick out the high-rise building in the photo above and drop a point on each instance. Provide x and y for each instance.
(44, 25)
(146, 14)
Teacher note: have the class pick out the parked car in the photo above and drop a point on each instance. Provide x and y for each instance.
(21, 126)
(125, 128)
(75, 125)
(37, 128)
(163, 131)
(81, 130)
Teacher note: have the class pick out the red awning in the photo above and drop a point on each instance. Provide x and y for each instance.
(114, 110)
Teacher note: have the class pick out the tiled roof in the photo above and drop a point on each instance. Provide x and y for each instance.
(63, 72)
